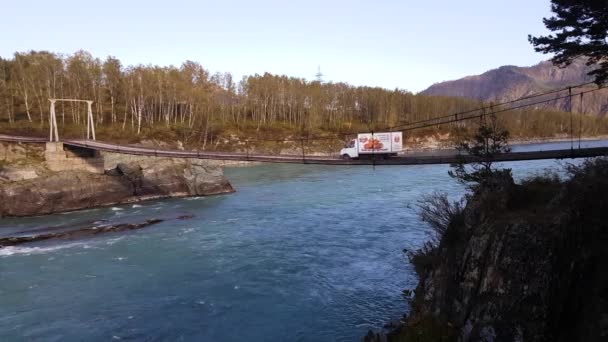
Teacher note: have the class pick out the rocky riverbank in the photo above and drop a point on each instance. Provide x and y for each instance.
(28, 187)
(519, 262)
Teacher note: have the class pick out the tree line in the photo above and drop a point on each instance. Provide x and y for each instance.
(141, 98)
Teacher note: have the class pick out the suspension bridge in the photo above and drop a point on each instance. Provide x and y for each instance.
(437, 157)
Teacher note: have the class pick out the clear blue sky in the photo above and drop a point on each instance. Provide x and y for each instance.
(405, 44)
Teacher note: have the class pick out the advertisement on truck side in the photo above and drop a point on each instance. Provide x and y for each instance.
(379, 142)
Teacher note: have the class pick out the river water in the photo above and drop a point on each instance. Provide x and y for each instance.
(298, 253)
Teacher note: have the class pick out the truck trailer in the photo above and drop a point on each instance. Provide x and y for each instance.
(383, 144)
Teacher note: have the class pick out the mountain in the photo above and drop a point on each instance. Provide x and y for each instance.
(510, 82)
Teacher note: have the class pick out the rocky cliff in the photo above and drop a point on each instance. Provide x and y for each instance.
(51, 192)
(509, 82)
(520, 262)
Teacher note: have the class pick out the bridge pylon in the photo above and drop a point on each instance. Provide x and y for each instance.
(54, 136)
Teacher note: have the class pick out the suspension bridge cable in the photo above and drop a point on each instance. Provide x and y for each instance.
(580, 121)
(497, 112)
(458, 116)
(497, 105)
(570, 109)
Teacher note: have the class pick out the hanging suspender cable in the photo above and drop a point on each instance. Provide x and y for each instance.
(580, 121)
(570, 109)
(303, 153)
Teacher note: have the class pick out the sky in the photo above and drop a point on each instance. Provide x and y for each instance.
(392, 44)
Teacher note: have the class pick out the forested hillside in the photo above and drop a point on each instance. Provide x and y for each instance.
(189, 103)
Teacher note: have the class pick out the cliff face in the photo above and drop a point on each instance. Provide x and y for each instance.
(520, 263)
(20, 153)
(509, 82)
(53, 192)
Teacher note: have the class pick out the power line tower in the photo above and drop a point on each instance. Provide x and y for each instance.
(319, 75)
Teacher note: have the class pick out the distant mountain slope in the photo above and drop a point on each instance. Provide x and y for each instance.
(512, 82)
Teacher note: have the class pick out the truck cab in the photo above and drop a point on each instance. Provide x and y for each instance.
(350, 150)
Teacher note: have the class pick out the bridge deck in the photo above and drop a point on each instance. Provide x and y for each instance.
(410, 159)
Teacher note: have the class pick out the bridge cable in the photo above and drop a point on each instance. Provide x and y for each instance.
(580, 122)
(303, 154)
(570, 109)
(496, 112)
(498, 104)
(459, 116)
(456, 115)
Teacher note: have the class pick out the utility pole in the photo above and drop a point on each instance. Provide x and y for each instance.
(319, 75)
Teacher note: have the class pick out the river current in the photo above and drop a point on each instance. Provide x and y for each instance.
(298, 253)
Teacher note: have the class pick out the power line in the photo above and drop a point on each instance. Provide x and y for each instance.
(319, 75)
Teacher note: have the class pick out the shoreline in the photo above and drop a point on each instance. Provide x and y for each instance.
(556, 140)
(444, 144)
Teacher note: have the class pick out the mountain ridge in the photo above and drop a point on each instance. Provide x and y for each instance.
(510, 82)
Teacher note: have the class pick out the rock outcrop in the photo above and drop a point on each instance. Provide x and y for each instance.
(75, 233)
(520, 263)
(16, 153)
(12, 174)
(54, 192)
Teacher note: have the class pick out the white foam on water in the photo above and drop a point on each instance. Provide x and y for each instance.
(187, 230)
(18, 250)
(194, 198)
(117, 209)
(136, 206)
(78, 211)
(113, 241)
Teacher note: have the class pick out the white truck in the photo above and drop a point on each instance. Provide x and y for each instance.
(383, 144)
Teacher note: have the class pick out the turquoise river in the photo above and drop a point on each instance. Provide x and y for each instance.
(298, 253)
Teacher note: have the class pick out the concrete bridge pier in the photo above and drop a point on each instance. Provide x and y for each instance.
(60, 157)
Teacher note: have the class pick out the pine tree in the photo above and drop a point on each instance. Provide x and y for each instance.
(489, 141)
(580, 30)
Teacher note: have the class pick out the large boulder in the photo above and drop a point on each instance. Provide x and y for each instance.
(175, 178)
